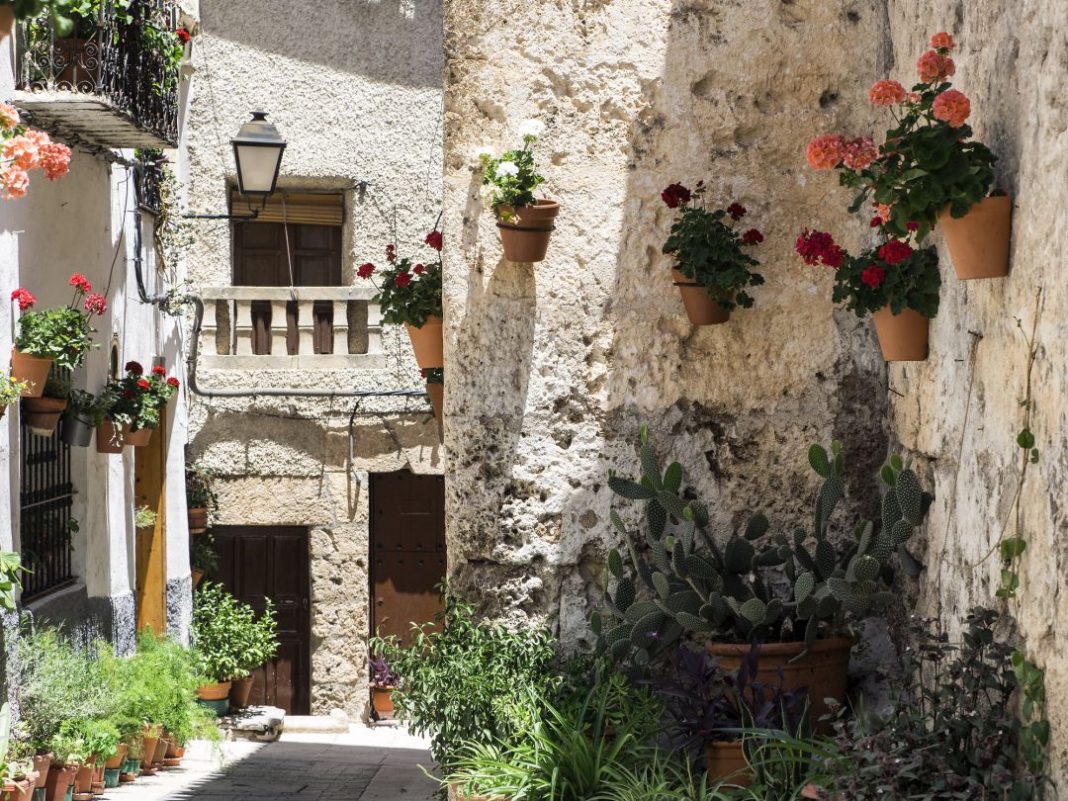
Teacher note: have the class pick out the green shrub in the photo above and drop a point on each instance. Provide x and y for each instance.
(229, 639)
(467, 682)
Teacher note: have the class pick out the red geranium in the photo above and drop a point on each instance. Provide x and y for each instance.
(752, 237)
(365, 270)
(873, 276)
(435, 240)
(143, 383)
(80, 282)
(403, 279)
(24, 298)
(675, 195)
(816, 247)
(391, 253)
(95, 304)
(418, 269)
(183, 35)
(736, 210)
(159, 370)
(172, 382)
(894, 252)
(134, 367)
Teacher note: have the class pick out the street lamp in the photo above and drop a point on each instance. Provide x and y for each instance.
(258, 149)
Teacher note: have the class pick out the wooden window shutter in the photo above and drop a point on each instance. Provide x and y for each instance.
(301, 208)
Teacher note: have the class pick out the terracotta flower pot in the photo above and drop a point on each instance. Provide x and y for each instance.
(59, 779)
(525, 237)
(77, 431)
(26, 788)
(117, 759)
(42, 414)
(83, 779)
(32, 370)
(161, 752)
(240, 689)
(902, 337)
(382, 701)
(214, 692)
(198, 519)
(42, 764)
(148, 751)
(7, 21)
(437, 400)
(726, 760)
(138, 438)
(174, 751)
(197, 575)
(978, 242)
(109, 439)
(822, 671)
(700, 307)
(428, 343)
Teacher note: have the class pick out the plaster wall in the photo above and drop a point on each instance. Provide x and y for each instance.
(554, 367)
(960, 412)
(355, 88)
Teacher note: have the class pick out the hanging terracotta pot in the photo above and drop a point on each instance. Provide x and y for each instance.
(822, 670)
(109, 439)
(198, 519)
(428, 342)
(7, 21)
(77, 431)
(700, 307)
(978, 242)
(902, 337)
(437, 399)
(726, 761)
(240, 689)
(42, 414)
(32, 370)
(138, 438)
(525, 231)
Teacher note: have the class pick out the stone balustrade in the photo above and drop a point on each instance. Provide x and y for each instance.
(298, 328)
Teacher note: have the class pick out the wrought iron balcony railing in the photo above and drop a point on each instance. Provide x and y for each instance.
(113, 81)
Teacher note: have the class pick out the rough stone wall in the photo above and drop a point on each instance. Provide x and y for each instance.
(554, 367)
(959, 413)
(355, 88)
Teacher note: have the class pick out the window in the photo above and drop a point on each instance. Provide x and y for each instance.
(296, 241)
(45, 522)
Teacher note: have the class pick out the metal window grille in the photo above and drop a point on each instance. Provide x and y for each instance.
(45, 499)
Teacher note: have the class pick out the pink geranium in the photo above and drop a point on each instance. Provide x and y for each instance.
(9, 117)
(54, 159)
(860, 153)
(14, 181)
(826, 152)
(933, 66)
(952, 107)
(887, 93)
(943, 41)
(21, 151)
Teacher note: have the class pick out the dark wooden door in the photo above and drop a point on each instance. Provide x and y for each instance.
(259, 562)
(408, 550)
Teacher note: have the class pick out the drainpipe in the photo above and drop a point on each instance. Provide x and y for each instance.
(142, 294)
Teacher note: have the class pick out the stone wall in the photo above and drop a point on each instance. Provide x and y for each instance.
(959, 413)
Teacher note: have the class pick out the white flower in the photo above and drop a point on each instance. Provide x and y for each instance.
(531, 128)
(483, 152)
(507, 169)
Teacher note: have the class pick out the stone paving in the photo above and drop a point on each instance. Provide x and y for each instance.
(363, 765)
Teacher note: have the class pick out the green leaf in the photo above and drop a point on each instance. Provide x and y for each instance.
(630, 490)
(673, 477)
(615, 563)
(1025, 439)
(758, 526)
(817, 457)
(1012, 548)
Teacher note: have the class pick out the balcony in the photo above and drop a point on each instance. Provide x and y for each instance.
(290, 328)
(112, 83)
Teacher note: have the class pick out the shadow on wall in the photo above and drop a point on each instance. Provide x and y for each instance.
(388, 41)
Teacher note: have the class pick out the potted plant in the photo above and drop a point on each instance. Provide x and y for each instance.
(383, 682)
(141, 400)
(435, 390)
(260, 644)
(201, 500)
(728, 592)
(60, 337)
(525, 222)
(203, 560)
(43, 413)
(410, 294)
(711, 267)
(67, 756)
(111, 420)
(82, 416)
(10, 392)
(25, 149)
(928, 170)
(896, 283)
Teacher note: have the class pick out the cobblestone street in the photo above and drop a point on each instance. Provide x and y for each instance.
(366, 765)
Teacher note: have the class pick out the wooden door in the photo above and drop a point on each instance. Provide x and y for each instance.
(259, 562)
(150, 545)
(408, 550)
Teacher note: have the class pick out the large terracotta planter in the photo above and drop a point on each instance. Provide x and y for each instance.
(382, 701)
(428, 343)
(978, 242)
(109, 439)
(118, 758)
(77, 431)
(214, 692)
(700, 307)
(726, 760)
(525, 237)
(902, 337)
(240, 689)
(198, 519)
(139, 438)
(32, 370)
(7, 21)
(161, 752)
(822, 671)
(83, 779)
(437, 400)
(26, 787)
(148, 751)
(42, 764)
(59, 779)
(42, 414)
